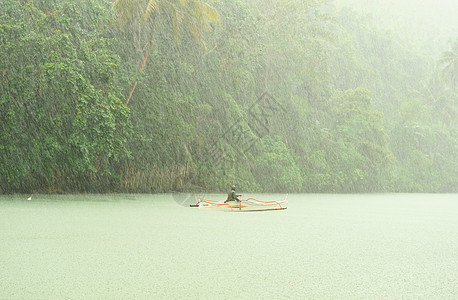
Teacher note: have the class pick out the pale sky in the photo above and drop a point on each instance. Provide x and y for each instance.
(432, 19)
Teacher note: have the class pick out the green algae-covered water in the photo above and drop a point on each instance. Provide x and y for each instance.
(388, 246)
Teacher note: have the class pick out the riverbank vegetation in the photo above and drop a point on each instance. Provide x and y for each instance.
(157, 96)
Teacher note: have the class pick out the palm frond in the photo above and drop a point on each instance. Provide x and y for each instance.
(449, 63)
(205, 11)
(151, 7)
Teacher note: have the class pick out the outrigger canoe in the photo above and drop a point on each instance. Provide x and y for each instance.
(250, 204)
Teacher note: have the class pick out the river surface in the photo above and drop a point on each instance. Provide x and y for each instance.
(377, 246)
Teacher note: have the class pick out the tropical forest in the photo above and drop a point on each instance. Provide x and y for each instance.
(298, 96)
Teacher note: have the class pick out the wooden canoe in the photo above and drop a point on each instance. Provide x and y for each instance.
(250, 204)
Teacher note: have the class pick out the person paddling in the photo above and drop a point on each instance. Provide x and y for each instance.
(232, 196)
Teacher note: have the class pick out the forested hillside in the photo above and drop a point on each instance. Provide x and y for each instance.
(193, 95)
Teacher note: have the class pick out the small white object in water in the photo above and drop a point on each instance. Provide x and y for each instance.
(30, 198)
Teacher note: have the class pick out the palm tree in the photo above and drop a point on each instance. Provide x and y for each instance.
(449, 73)
(191, 16)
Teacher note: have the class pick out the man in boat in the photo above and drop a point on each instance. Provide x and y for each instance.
(232, 196)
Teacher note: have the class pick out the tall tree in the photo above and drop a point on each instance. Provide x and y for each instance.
(190, 16)
(449, 61)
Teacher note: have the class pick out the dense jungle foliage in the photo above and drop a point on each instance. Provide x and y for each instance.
(189, 95)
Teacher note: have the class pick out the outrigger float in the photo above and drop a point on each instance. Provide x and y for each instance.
(250, 204)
